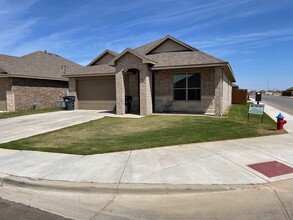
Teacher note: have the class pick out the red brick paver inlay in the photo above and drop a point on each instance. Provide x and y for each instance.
(272, 168)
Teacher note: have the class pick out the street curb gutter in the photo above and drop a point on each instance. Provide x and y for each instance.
(64, 186)
(114, 188)
(2, 176)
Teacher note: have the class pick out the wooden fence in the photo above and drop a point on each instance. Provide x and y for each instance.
(239, 96)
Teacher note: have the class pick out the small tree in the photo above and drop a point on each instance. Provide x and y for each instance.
(286, 93)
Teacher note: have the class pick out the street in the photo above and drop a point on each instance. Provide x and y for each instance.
(283, 103)
(11, 210)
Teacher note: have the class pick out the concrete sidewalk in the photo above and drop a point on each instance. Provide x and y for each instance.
(219, 162)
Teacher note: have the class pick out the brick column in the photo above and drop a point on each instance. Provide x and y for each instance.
(10, 95)
(218, 91)
(146, 107)
(72, 90)
(120, 93)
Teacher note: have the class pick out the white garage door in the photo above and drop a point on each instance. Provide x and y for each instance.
(96, 93)
(2, 95)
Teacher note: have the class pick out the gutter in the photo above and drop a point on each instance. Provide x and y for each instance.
(33, 77)
(88, 75)
(189, 66)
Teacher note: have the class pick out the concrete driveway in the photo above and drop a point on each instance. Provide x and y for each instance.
(30, 125)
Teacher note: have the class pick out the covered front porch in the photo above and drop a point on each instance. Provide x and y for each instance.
(133, 78)
(188, 91)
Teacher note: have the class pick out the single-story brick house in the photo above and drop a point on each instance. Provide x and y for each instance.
(33, 78)
(166, 75)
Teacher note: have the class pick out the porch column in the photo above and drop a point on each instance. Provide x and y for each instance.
(218, 91)
(146, 107)
(120, 93)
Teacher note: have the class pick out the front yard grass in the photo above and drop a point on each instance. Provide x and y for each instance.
(4, 115)
(119, 134)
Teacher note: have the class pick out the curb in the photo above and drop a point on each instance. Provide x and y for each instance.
(52, 185)
(2, 176)
(122, 188)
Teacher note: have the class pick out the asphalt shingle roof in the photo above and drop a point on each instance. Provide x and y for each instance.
(144, 48)
(38, 64)
(185, 58)
(165, 59)
(99, 69)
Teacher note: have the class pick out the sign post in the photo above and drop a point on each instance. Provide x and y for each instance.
(256, 109)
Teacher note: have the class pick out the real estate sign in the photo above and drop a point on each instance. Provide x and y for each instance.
(256, 109)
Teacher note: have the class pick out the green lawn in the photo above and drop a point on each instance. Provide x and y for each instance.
(28, 112)
(119, 134)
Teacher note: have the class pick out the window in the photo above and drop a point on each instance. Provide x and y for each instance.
(186, 86)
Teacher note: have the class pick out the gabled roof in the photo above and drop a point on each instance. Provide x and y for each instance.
(113, 53)
(168, 37)
(144, 48)
(128, 50)
(165, 53)
(41, 65)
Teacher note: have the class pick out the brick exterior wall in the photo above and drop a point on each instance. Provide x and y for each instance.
(72, 91)
(44, 93)
(10, 98)
(130, 61)
(120, 93)
(164, 92)
(218, 91)
(227, 92)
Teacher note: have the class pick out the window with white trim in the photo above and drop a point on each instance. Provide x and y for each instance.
(187, 86)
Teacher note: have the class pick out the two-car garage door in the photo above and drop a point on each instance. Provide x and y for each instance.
(3, 95)
(96, 93)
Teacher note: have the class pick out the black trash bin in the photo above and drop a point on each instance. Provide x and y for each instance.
(69, 102)
(128, 101)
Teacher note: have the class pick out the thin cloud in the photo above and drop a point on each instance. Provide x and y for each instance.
(253, 39)
(13, 27)
(245, 9)
(55, 43)
(12, 8)
(13, 35)
(100, 10)
(198, 13)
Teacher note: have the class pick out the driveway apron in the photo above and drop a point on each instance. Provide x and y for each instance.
(25, 126)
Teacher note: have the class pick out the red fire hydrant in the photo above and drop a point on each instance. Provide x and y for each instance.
(280, 122)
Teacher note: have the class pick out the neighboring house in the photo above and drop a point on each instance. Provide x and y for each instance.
(166, 75)
(33, 78)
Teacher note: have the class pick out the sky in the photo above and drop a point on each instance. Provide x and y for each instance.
(254, 36)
